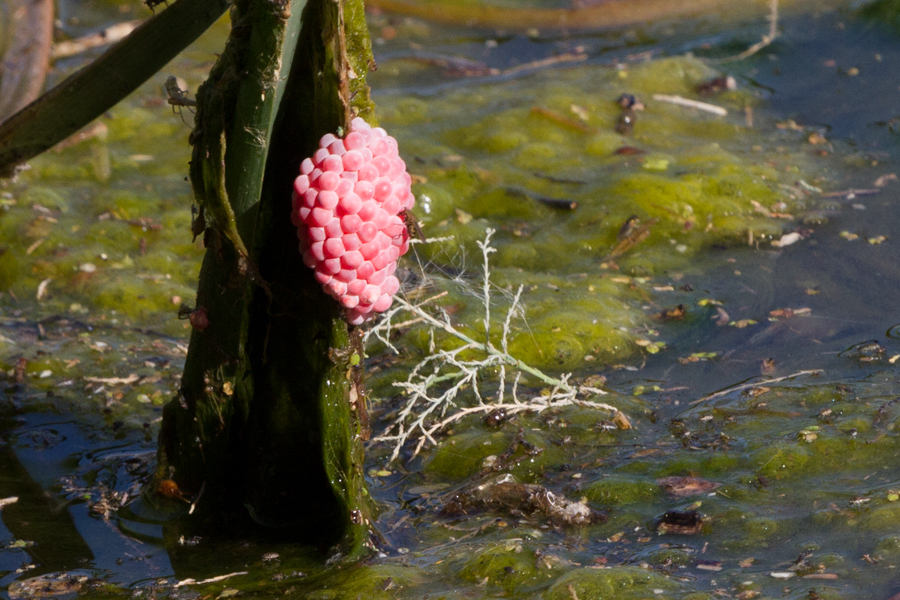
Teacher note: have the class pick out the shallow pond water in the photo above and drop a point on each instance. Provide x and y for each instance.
(663, 279)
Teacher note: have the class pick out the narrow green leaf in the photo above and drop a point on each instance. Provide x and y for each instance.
(96, 88)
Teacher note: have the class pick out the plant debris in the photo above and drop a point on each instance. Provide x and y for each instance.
(688, 522)
(681, 487)
(505, 494)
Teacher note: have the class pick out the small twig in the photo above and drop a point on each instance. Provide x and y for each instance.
(851, 193)
(762, 43)
(110, 35)
(197, 499)
(756, 384)
(486, 250)
(547, 62)
(680, 101)
(190, 581)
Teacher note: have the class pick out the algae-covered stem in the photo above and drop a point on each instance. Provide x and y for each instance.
(265, 418)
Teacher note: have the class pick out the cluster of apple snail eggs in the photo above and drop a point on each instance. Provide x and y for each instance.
(348, 206)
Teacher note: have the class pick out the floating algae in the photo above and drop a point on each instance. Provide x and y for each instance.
(697, 185)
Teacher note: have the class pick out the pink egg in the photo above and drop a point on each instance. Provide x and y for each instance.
(346, 275)
(301, 184)
(384, 240)
(370, 250)
(383, 188)
(337, 148)
(319, 217)
(393, 148)
(395, 229)
(368, 210)
(365, 190)
(368, 173)
(331, 266)
(328, 181)
(344, 187)
(383, 303)
(322, 277)
(378, 147)
(333, 248)
(365, 270)
(391, 206)
(390, 286)
(401, 193)
(350, 203)
(351, 223)
(309, 260)
(382, 163)
(333, 164)
(353, 160)
(350, 242)
(381, 260)
(369, 294)
(381, 219)
(367, 232)
(338, 288)
(356, 287)
(354, 317)
(354, 141)
(378, 277)
(351, 260)
(333, 228)
(327, 200)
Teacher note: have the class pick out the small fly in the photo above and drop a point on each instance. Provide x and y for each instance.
(412, 225)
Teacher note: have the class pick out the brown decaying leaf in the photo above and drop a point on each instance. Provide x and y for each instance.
(562, 120)
(673, 314)
(630, 235)
(628, 151)
(681, 487)
(622, 421)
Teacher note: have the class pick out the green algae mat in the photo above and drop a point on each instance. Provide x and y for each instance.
(723, 274)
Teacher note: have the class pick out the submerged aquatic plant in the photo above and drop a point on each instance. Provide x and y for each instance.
(435, 383)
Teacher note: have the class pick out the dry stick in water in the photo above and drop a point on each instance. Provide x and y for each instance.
(680, 101)
(27, 58)
(765, 41)
(747, 386)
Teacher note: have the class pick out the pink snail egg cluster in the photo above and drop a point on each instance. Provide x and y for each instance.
(347, 206)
